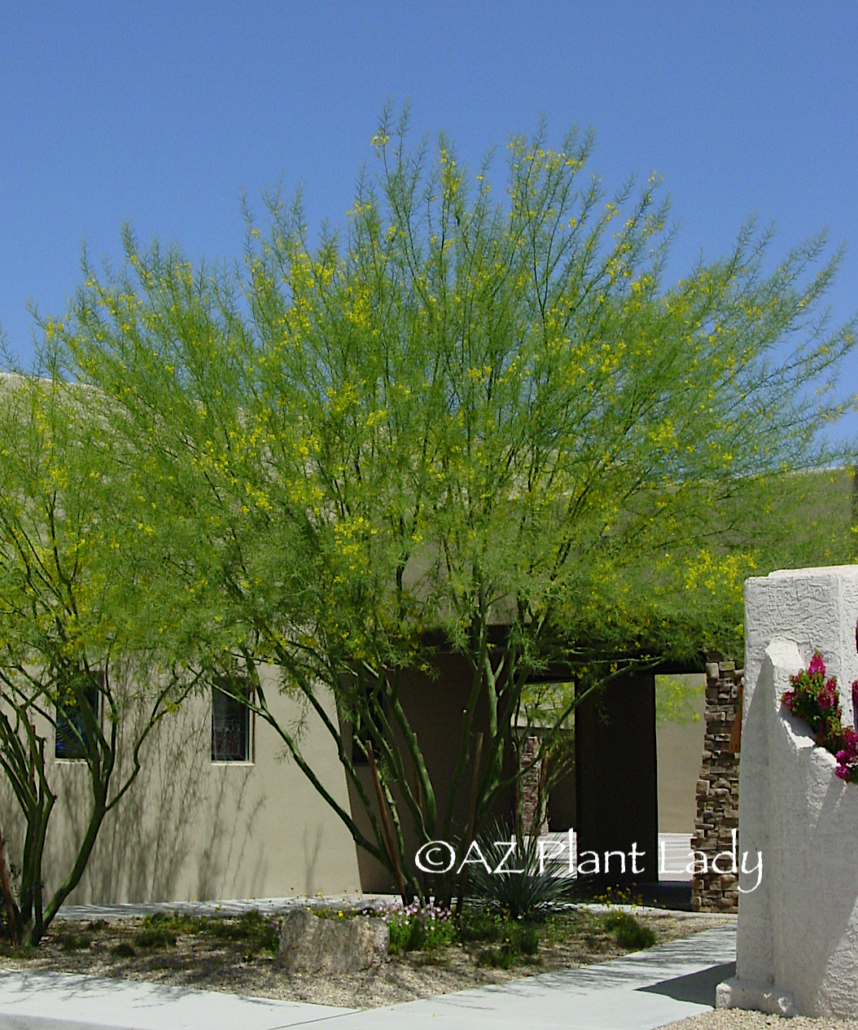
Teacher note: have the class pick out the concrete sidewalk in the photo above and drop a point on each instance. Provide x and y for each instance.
(637, 992)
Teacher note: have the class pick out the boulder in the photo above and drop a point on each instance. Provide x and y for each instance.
(310, 944)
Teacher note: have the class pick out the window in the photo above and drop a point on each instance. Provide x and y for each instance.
(70, 741)
(230, 722)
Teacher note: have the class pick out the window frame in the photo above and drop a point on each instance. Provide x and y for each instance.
(67, 745)
(225, 699)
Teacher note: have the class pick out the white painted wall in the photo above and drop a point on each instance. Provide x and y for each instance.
(797, 947)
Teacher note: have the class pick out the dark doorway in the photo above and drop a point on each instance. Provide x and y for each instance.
(616, 779)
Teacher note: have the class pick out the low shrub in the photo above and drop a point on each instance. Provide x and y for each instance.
(176, 922)
(521, 888)
(483, 926)
(418, 927)
(521, 944)
(259, 933)
(628, 932)
(498, 958)
(252, 928)
(74, 941)
(618, 896)
(155, 937)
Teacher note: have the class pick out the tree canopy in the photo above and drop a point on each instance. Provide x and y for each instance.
(77, 658)
(477, 414)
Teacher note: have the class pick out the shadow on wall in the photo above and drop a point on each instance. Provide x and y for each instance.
(145, 841)
(312, 851)
(190, 828)
(227, 837)
(180, 830)
(13, 827)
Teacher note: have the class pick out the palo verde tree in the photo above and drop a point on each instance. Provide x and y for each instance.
(478, 415)
(76, 662)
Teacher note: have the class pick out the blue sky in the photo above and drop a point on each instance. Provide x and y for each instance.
(162, 114)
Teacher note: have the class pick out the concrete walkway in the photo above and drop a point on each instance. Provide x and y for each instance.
(637, 992)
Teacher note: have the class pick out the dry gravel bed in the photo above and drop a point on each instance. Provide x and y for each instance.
(201, 961)
(739, 1019)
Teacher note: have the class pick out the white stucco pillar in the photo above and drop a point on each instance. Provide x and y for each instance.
(797, 947)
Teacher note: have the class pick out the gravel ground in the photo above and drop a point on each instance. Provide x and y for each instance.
(741, 1019)
(223, 966)
(200, 961)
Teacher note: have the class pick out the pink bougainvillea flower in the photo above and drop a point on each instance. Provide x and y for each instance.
(816, 700)
(834, 693)
(850, 745)
(847, 740)
(828, 697)
(847, 758)
(816, 664)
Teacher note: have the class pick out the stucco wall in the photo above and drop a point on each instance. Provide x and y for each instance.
(679, 746)
(798, 931)
(193, 829)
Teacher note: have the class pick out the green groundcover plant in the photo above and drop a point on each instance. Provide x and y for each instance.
(418, 926)
(816, 700)
(498, 938)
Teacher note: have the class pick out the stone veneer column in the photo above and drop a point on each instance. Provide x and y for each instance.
(530, 786)
(718, 789)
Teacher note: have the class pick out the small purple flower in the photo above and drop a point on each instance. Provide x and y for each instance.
(788, 698)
